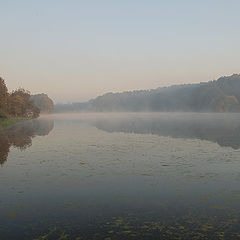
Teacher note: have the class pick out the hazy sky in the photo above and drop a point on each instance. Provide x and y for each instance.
(74, 50)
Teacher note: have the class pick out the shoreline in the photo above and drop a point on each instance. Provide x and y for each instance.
(7, 122)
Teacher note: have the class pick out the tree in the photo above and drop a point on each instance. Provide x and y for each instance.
(43, 102)
(3, 98)
(20, 104)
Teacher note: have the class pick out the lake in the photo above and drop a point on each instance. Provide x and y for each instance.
(121, 176)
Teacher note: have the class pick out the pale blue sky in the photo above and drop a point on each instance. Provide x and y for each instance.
(75, 50)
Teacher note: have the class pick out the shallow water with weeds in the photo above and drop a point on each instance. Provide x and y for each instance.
(121, 176)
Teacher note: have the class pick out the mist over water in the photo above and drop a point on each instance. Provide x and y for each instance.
(121, 176)
(222, 128)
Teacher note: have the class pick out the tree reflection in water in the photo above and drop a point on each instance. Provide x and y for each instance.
(20, 135)
(223, 129)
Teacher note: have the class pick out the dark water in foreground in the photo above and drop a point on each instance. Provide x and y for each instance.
(121, 176)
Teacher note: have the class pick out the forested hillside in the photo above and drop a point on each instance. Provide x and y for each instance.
(222, 95)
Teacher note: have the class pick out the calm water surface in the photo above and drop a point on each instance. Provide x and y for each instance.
(121, 176)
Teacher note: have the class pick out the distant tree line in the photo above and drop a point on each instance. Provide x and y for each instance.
(222, 95)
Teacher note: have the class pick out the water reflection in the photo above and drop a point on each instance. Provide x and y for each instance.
(223, 129)
(20, 135)
(84, 183)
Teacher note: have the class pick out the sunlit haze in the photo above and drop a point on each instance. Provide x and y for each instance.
(76, 50)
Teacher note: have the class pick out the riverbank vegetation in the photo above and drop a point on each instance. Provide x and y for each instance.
(15, 105)
(43, 102)
(9, 122)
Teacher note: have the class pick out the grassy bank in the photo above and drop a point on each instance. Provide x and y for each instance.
(10, 121)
